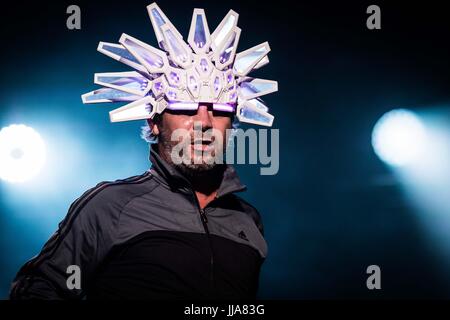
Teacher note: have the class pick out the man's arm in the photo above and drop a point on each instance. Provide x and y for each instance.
(82, 240)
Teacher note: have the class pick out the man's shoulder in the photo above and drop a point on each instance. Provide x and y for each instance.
(111, 196)
(99, 208)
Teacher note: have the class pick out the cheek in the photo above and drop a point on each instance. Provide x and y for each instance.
(222, 125)
(174, 122)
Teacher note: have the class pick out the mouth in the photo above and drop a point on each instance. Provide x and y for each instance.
(201, 144)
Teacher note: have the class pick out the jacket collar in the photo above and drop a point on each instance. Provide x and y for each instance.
(175, 179)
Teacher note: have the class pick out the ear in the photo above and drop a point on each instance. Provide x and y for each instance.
(153, 126)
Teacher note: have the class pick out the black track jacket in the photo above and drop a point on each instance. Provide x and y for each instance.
(146, 237)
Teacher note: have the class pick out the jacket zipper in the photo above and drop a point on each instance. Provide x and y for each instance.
(204, 220)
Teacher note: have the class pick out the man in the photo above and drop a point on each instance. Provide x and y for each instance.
(178, 230)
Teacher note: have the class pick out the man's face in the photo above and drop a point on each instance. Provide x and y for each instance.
(202, 131)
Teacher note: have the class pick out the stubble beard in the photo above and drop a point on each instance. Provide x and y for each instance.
(190, 170)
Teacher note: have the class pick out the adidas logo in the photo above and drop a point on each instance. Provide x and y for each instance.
(242, 235)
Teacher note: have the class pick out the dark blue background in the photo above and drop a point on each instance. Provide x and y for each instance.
(327, 216)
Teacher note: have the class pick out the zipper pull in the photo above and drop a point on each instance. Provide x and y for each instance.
(203, 216)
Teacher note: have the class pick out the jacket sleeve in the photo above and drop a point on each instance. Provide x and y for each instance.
(83, 239)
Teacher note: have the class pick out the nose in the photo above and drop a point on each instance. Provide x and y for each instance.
(204, 116)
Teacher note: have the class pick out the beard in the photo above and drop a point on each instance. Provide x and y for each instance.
(200, 163)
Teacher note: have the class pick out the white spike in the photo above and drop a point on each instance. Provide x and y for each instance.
(131, 82)
(250, 88)
(158, 19)
(224, 28)
(262, 63)
(246, 60)
(154, 60)
(203, 43)
(140, 109)
(107, 95)
(120, 53)
(179, 51)
(231, 42)
(248, 112)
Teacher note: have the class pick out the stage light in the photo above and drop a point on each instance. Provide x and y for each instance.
(398, 137)
(22, 153)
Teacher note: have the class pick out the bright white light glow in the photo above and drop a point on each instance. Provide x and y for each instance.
(22, 153)
(398, 138)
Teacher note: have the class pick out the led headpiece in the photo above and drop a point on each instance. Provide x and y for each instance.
(181, 75)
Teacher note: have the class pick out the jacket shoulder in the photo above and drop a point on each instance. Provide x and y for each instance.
(123, 189)
(109, 197)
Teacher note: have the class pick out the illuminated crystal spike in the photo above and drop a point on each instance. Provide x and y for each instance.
(217, 83)
(250, 113)
(154, 60)
(204, 67)
(180, 53)
(108, 95)
(120, 53)
(193, 83)
(224, 28)
(159, 19)
(257, 103)
(251, 88)
(245, 61)
(229, 78)
(159, 87)
(137, 110)
(232, 96)
(261, 63)
(199, 37)
(175, 76)
(131, 82)
(224, 55)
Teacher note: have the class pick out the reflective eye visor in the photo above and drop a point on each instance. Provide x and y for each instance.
(224, 107)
